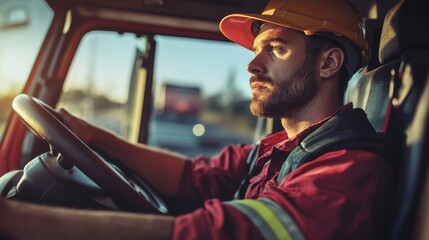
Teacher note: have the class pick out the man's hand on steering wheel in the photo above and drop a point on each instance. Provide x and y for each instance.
(87, 132)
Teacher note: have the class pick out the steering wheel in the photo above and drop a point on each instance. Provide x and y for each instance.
(45, 123)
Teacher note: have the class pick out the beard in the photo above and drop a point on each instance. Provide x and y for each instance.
(288, 95)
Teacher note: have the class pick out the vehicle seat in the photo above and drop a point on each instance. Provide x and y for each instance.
(395, 97)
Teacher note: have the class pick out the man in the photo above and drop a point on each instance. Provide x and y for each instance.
(305, 52)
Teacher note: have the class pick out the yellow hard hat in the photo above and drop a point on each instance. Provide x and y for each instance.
(338, 17)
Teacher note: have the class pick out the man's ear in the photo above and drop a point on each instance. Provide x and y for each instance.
(331, 62)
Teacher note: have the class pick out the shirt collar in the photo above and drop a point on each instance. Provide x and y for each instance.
(282, 142)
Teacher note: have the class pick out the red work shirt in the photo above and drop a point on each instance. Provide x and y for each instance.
(339, 195)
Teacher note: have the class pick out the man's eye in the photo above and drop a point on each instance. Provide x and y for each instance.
(277, 49)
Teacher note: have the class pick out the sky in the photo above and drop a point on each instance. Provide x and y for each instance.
(211, 62)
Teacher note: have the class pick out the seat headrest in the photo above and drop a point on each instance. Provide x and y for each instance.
(405, 28)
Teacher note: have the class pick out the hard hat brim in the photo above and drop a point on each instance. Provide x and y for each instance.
(238, 27)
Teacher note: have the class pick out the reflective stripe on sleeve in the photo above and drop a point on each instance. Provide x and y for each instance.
(271, 219)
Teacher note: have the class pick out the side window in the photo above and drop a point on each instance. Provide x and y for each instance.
(201, 96)
(102, 80)
(23, 26)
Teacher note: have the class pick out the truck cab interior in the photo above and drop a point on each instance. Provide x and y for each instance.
(37, 151)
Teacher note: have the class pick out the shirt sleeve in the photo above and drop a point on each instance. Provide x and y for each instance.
(215, 220)
(216, 177)
(339, 195)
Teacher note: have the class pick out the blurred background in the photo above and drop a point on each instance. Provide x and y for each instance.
(201, 87)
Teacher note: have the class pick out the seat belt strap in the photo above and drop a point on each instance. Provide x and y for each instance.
(252, 170)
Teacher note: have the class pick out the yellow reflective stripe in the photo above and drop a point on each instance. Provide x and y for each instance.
(269, 217)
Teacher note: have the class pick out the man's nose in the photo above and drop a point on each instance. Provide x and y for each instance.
(257, 65)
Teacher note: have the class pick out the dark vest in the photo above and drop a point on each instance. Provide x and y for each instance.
(349, 129)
